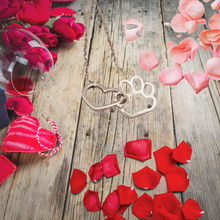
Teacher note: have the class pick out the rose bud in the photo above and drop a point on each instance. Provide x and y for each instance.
(8, 8)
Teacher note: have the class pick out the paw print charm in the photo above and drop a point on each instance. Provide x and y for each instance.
(134, 92)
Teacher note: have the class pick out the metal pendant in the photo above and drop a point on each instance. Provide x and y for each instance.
(121, 99)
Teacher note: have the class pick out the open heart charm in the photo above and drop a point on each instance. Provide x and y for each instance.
(121, 99)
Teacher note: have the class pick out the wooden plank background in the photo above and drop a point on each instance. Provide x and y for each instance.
(40, 187)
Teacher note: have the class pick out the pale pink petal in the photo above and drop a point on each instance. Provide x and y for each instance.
(201, 21)
(195, 10)
(167, 24)
(194, 46)
(148, 60)
(131, 33)
(205, 46)
(216, 4)
(191, 26)
(206, 0)
(181, 53)
(179, 35)
(198, 80)
(170, 43)
(179, 66)
(171, 76)
(212, 68)
(216, 51)
(215, 22)
(183, 4)
(178, 23)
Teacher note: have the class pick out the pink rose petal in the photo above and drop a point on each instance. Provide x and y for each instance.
(205, 46)
(212, 68)
(216, 4)
(171, 76)
(148, 60)
(195, 9)
(178, 35)
(131, 33)
(170, 43)
(216, 51)
(91, 201)
(110, 165)
(95, 172)
(178, 23)
(191, 26)
(198, 80)
(215, 22)
(194, 46)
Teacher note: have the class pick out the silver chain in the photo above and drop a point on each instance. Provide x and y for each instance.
(122, 70)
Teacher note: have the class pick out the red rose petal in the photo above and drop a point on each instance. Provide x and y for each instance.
(182, 153)
(123, 208)
(139, 149)
(167, 202)
(91, 201)
(177, 180)
(146, 178)
(78, 181)
(62, 11)
(6, 168)
(110, 165)
(127, 195)
(143, 207)
(164, 160)
(111, 204)
(160, 214)
(191, 209)
(95, 172)
(179, 215)
(116, 217)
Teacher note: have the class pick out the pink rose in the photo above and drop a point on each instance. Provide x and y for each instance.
(39, 58)
(8, 8)
(16, 39)
(68, 29)
(50, 40)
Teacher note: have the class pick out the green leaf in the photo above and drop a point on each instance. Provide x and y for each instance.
(26, 25)
(15, 21)
(49, 24)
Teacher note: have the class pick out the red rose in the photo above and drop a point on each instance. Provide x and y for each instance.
(39, 58)
(68, 29)
(54, 55)
(8, 8)
(50, 40)
(16, 39)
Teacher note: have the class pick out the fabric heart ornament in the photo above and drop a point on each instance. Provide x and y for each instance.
(21, 105)
(36, 12)
(26, 135)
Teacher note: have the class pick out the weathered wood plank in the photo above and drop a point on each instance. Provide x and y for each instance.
(39, 187)
(196, 121)
(103, 133)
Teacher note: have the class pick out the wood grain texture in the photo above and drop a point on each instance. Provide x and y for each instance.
(197, 122)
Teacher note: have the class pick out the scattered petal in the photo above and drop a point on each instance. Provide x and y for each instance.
(127, 195)
(198, 80)
(95, 172)
(146, 178)
(178, 23)
(143, 207)
(191, 26)
(91, 201)
(216, 51)
(178, 35)
(212, 68)
(182, 153)
(78, 181)
(170, 43)
(216, 5)
(116, 217)
(54, 55)
(171, 76)
(215, 22)
(131, 33)
(110, 165)
(205, 46)
(210, 36)
(21, 105)
(111, 204)
(159, 214)
(194, 46)
(62, 11)
(191, 209)
(167, 202)
(148, 60)
(167, 24)
(6, 168)
(139, 149)
(122, 209)
(180, 215)
(164, 160)
(177, 180)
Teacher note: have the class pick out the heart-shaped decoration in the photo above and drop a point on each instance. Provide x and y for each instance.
(26, 135)
(35, 12)
(21, 105)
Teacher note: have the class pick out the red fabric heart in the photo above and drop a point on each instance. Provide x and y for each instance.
(6, 168)
(35, 12)
(78, 181)
(21, 105)
(62, 11)
(91, 201)
(139, 149)
(22, 136)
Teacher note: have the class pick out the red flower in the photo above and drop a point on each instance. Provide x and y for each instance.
(8, 8)
(16, 39)
(68, 29)
(44, 34)
(39, 58)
